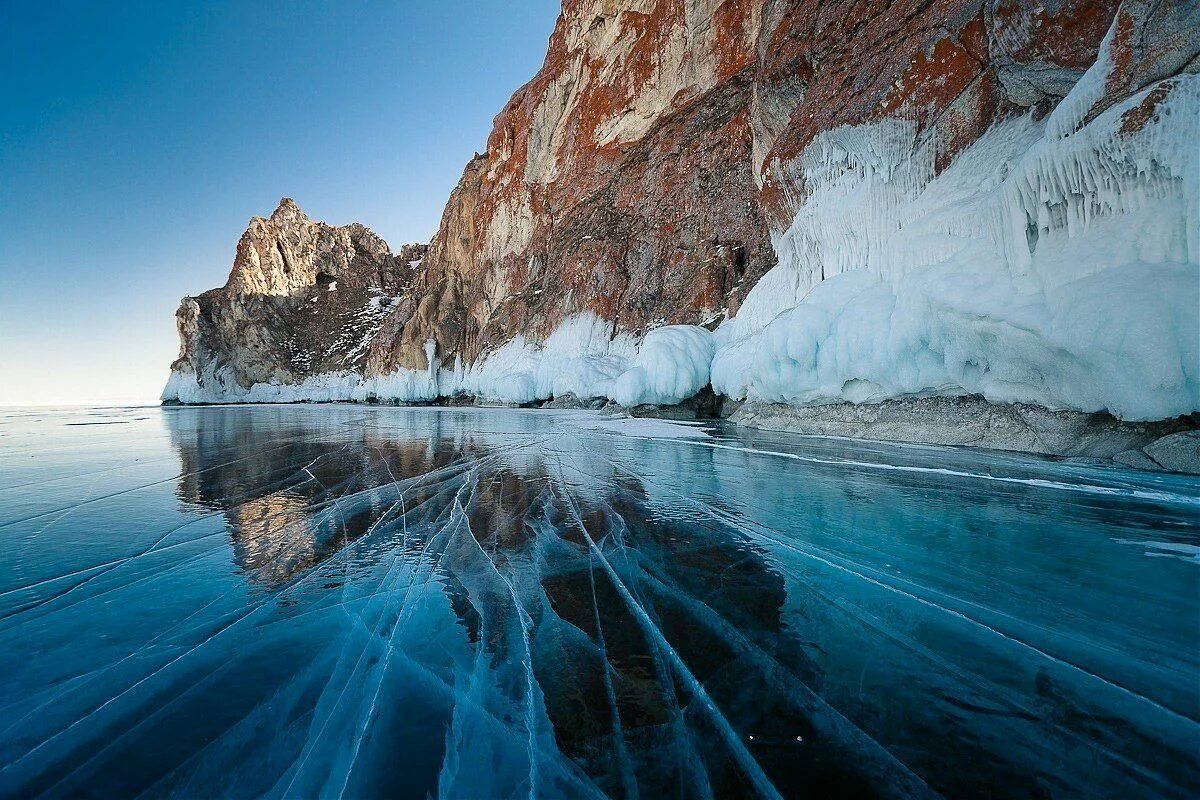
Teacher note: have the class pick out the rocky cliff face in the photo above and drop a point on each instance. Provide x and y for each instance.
(619, 181)
(671, 153)
(1000, 201)
(303, 299)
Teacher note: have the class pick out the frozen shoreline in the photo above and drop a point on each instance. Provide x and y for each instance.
(968, 421)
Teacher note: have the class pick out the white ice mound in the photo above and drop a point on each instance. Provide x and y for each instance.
(403, 385)
(672, 364)
(1046, 264)
(585, 357)
(328, 387)
(582, 356)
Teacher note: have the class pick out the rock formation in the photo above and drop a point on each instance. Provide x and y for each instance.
(303, 299)
(983, 215)
(619, 181)
(871, 200)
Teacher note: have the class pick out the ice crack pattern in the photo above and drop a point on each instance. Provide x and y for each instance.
(357, 601)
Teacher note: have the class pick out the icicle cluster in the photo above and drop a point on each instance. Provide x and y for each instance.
(1050, 263)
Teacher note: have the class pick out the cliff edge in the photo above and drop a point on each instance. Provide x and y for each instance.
(801, 204)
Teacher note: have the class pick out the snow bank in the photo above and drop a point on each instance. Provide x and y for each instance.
(583, 356)
(671, 365)
(1047, 264)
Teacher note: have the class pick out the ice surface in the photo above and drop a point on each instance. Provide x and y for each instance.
(1053, 262)
(354, 601)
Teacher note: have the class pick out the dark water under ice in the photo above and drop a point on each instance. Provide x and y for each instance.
(345, 601)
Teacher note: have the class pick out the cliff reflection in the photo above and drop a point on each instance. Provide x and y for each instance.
(607, 621)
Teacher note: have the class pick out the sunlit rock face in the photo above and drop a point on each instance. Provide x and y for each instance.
(640, 174)
(618, 181)
(302, 299)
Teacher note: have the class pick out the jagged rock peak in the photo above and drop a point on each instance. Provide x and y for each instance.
(288, 212)
(303, 298)
(288, 252)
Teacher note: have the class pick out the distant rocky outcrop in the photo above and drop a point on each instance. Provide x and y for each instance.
(872, 201)
(303, 298)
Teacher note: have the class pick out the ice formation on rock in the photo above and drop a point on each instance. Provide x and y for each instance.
(672, 364)
(1047, 264)
(582, 357)
(959, 200)
(585, 358)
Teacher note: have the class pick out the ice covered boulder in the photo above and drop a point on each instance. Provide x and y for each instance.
(671, 365)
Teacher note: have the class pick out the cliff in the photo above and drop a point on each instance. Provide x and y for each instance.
(801, 203)
(303, 299)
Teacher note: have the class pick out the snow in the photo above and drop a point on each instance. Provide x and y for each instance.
(1046, 264)
(583, 356)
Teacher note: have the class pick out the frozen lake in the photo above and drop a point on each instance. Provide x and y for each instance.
(348, 601)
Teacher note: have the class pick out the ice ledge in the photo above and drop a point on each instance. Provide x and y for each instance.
(973, 421)
(585, 356)
(1035, 268)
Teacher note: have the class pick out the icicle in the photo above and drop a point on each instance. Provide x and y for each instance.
(1050, 263)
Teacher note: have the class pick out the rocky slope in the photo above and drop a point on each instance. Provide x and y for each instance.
(872, 200)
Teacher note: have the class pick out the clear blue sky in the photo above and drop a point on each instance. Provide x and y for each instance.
(138, 138)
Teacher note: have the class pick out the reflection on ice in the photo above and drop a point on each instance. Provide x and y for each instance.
(355, 601)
